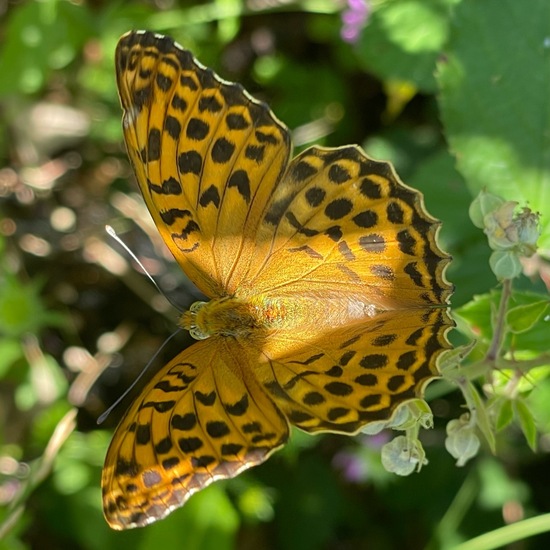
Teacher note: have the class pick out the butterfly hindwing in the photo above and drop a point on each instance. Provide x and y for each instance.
(201, 418)
(341, 381)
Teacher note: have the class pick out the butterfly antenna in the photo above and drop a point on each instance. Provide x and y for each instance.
(113, 234)
(104, 416)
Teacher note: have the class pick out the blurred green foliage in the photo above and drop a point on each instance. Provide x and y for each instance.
(422, 83)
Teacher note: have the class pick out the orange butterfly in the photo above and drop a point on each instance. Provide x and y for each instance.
(328, 296)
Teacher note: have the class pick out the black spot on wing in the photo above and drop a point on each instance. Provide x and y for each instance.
(184, 422)
(189, 444)
(210, 196)
(172, 127)
(170, 216)
(236, 121)
(366, 219)
(153, 145)
(239, 179)
(338, 174)
(197, 129)
(338, 208)
(302, 171)
(170, 186)
(370, 189)
(206, 399)
(210, 103)
(190, 162)
(222, 150)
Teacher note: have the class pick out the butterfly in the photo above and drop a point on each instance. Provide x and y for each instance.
(328, 299)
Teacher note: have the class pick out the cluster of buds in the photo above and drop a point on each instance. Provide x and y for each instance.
(512, 234)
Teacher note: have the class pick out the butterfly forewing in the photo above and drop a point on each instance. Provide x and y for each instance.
(207, 156)
(354, 229)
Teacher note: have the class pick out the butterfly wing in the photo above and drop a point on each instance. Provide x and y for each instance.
(342, 225)
(202, 417)
(356, 374)
(206, 155)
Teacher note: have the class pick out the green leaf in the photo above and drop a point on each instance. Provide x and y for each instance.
(478, 313)
(208, 521)
(299, 83)
(21, 307)
(496, 487)
(504, 413)
(18, 304)
(442, 185)
(538, 403)
(523, 318)
(526, 422)
(505, 265)
(483, 423)
(10, 352)
(40, 37)
(403, 39)
(494, 95)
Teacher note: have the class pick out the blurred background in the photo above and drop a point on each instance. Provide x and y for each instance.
(78, 320)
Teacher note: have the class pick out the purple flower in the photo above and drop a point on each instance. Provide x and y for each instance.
(351, 465)
(354, 19)
(356, 463)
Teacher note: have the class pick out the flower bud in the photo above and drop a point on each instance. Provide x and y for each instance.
(402, 457)
(461, 443)
(482, 205)
(505, 265)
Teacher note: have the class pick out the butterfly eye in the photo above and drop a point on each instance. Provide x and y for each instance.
(196, 306)
(198, 334)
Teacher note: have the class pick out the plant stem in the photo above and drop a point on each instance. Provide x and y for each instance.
(499, 333)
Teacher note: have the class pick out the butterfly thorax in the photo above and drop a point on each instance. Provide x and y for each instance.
(234, 316)
(231, 316)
